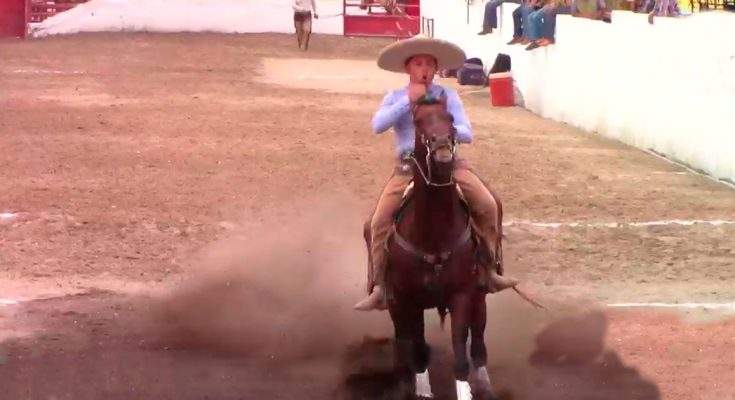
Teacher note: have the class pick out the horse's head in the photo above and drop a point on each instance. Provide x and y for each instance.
(435, 140)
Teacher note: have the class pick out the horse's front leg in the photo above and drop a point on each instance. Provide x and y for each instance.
(461, 310)
(478, 350)
(403, 347)
(412, 354)
(422, 357)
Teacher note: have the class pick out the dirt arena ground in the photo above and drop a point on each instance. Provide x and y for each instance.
(182, 221)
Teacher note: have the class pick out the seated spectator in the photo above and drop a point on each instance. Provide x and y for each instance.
(542, 23)
(490, 20)
(660, 8)
(592, 9)
(521, 23)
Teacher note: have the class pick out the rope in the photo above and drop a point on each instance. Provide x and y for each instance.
(331, 15)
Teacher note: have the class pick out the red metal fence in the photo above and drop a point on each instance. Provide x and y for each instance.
(12, 18)
(374, 21)
(16, 15)
(39, 10)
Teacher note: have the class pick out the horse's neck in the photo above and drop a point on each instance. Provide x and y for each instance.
(437, 215)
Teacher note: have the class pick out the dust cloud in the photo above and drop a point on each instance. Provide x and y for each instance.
(282, 293)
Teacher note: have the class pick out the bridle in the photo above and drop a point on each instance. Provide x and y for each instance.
(430, 148)
(435, 261)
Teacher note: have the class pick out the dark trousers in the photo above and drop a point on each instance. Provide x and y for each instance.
(520, 20)
(490, 21)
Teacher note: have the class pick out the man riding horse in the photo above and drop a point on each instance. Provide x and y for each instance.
(420, 57)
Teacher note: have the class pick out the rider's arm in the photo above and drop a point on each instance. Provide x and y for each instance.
(393, 106)
(313, 6)
(461, 122)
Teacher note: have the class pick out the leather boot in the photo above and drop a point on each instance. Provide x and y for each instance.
(377, 300)
(497, 283)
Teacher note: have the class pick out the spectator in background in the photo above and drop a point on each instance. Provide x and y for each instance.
(302, 13)
(521, 23)
(490, 20)
(660, 8)
(592, 9)
(542, 23)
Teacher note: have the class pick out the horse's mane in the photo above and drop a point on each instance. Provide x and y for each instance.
(427, 100)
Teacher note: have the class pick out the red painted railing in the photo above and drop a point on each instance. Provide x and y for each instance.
(376, 22)
(12, 18)
(39, 10)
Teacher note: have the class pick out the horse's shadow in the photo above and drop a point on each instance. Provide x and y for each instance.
(568, 361)
(368, 373)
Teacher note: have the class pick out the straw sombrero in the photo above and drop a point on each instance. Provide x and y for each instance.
(448, 55)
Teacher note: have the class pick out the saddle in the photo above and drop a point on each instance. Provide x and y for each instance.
(409, 191)
(482, 256)
(490, 269)
(407, 196)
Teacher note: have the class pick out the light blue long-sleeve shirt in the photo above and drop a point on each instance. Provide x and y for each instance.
(395, 112)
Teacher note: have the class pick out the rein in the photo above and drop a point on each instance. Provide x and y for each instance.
(436, 260)
(427, 176)
(428, 179)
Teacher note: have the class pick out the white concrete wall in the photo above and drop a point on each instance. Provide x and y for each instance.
(669, 87)
(226, 16)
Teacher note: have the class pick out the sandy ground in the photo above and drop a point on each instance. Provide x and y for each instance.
(186, 225)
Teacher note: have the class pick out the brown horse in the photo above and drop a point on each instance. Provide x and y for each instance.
(432, 263)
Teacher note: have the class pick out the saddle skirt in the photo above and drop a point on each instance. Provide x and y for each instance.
(477, 237)
(409, 190)
(408, 194)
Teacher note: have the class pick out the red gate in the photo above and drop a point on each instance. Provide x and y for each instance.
(374, 21)
(39, 10)
(12, 18)
(16, 16)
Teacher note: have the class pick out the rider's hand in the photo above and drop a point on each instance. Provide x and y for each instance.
(316, 16)
(415, 91)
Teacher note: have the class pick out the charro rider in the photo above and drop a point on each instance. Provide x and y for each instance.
(420, 57)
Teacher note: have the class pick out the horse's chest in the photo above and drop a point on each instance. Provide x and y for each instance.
(435, 273)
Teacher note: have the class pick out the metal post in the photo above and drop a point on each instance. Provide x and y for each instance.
(26, 17)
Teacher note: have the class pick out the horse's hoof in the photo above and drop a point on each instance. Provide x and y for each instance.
(482, 389)
(423, 386)
(464, 391)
